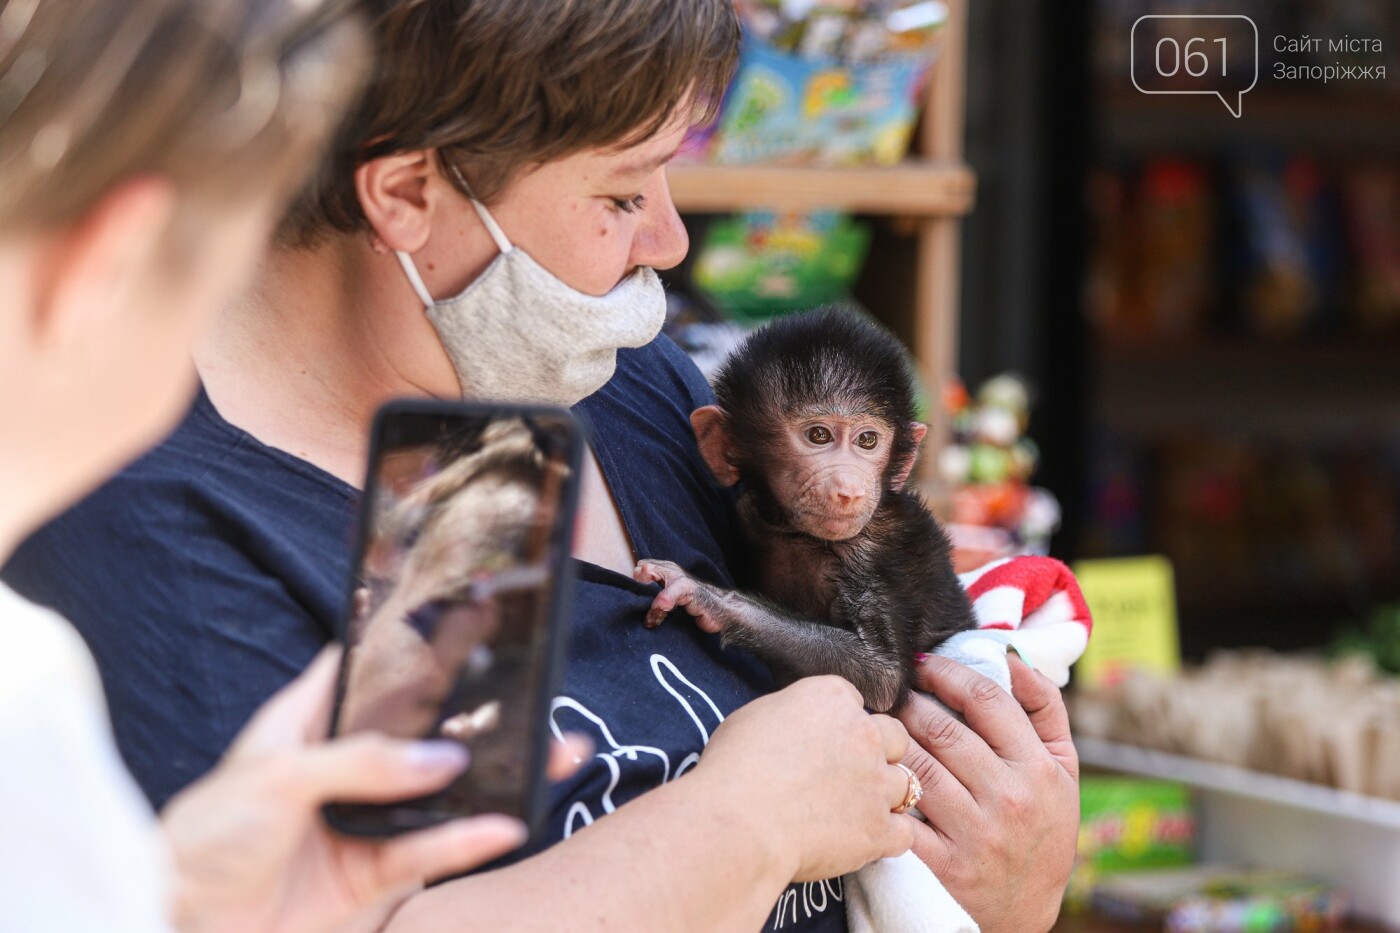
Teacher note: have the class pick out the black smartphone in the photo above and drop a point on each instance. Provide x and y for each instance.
(457, 604)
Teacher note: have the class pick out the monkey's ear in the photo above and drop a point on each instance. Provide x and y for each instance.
(711, 426)
(917, 430)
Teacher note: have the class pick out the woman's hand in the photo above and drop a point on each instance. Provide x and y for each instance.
(816, 773)
(250, 849)
(1001, 793)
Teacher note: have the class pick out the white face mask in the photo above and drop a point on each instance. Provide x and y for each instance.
(520, 334)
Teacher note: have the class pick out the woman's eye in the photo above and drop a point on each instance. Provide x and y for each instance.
(630, 205)
(819, 435)
(867, 440)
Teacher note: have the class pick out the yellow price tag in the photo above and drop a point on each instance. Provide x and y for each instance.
(1135, 627)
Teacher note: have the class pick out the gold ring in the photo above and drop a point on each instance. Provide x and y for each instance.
(915, 792)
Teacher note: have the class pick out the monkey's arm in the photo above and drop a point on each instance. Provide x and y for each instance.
(793, 646)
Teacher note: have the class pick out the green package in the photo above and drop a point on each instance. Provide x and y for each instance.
(1128, 823)
(760, 264)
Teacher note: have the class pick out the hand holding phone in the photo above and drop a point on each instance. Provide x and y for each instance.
(455, 627)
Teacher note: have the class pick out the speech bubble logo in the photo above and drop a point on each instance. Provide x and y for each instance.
(1214, 54)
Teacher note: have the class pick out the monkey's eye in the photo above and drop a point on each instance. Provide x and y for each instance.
(867, 440)
(819, 435)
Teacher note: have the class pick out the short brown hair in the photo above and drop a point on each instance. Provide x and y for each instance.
(224, 98)
(501, 85)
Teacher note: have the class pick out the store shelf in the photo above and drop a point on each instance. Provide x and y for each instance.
(1247, 818)
(1328, 390)
(1379, 351)
(917, 188)
(1239, 782)
(1319, 122)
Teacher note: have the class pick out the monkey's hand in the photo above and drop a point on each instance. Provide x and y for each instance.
(678, 588)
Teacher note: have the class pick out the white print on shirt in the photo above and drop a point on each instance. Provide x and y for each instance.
(831, 891)
(612, 753)
(812, 897)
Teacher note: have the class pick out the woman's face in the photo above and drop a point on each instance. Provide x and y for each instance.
(594, 217)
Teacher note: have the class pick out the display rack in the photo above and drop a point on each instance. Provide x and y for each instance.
(930, 193)
(1235, 442)
(1239, 782)
(1245, 817)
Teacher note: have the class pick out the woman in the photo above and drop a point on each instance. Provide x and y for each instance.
(487, 227)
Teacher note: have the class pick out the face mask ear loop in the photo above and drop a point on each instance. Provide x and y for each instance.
(414, 279)
(502, 241)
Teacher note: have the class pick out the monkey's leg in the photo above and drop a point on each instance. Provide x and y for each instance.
(791, 645)
(796, 647)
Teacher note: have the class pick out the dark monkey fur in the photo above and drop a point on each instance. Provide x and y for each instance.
(816, 419)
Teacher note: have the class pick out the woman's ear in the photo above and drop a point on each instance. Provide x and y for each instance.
(397, 196)
(90, 274)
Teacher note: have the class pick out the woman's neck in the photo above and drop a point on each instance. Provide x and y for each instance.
(15, 523)
(324, 337)
(30, 493)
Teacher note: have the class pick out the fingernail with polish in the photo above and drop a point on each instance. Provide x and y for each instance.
(920, 658)
(438, 756)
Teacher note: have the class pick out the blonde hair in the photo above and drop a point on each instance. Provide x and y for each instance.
(226, 99)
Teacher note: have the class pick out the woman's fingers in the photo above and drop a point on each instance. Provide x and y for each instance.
(893, 736)
(369, 768)
(931, 846)
(899, 835)
(568, 754)
(945, 797)
(943, 743)
(991, 713)
(1045, 706)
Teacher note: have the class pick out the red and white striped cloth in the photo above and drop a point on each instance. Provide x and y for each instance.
(1037, 602)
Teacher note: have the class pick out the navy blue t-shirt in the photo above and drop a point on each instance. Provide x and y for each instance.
(211, 571)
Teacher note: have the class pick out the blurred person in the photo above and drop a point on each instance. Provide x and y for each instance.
(146, 148)
(487, 226)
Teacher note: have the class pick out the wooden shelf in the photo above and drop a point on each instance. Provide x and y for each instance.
(917, 188)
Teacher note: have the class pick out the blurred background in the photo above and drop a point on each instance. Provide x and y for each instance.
(1213, 310)
(1159, 341)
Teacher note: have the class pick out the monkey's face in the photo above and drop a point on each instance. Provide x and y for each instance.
(828, 472)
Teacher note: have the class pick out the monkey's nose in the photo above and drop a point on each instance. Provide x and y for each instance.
(846, 495)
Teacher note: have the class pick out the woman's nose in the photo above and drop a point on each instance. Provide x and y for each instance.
(661, 241)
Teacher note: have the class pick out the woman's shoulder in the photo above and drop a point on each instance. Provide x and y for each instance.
(205, 476)
(666, 370)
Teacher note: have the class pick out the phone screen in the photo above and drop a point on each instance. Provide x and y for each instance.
(456, 608)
